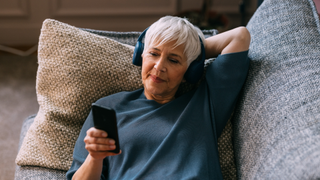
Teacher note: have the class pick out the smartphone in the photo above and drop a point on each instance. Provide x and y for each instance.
(105, 118)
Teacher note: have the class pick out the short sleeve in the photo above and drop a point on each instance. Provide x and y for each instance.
(225, 78)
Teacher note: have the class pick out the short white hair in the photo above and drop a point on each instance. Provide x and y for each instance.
(169, 29)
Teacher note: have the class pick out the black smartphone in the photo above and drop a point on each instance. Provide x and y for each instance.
(105, 118)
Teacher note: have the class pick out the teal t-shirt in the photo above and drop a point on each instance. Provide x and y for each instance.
(176, 140)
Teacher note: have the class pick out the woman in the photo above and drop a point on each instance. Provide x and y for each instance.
(163, 136)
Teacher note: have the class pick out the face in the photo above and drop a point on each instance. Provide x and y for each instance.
(163, 68)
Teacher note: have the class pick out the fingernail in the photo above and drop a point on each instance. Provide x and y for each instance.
(104, 134)
(112, 141)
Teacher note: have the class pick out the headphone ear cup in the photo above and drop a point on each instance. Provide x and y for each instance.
(194, 71)
(196, 68)
(138, 50)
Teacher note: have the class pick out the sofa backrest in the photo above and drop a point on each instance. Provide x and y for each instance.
(277, 123)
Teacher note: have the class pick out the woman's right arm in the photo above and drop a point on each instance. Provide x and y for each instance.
(234, 40)
(98, 145)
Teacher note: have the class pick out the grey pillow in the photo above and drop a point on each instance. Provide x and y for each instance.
(277, 122)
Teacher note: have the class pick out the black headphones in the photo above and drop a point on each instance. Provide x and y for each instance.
(194, 71)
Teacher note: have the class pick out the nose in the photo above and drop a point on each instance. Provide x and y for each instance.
(160, 65)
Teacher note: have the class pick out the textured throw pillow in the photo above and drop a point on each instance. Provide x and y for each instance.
(277, 122)
(76, 68)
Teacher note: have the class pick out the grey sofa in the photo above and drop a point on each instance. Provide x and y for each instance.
(276, 124)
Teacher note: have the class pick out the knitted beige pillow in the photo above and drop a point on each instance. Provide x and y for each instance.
(76, 68)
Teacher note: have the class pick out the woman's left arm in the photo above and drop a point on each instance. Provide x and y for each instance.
(235, 40)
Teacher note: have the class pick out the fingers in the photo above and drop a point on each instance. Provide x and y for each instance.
(99, 147)
(97, 141)
(102, 155)
(98, 144)
(96, 132)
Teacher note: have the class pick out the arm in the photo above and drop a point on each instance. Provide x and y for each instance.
(226, 75)
(235, 40)
(97, 145)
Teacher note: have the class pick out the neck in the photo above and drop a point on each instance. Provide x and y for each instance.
(159, 99)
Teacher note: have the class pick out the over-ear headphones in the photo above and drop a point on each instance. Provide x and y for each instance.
(194, 71)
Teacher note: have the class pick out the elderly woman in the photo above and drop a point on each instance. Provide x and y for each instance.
(163, 136)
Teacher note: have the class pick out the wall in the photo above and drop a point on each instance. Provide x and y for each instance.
(20, 20)
(317, 3)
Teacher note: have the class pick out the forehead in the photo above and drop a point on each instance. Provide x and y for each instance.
(171, 46)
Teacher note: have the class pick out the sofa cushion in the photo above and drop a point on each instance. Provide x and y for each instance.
(33, 172)
(76, 68)
(277, 122)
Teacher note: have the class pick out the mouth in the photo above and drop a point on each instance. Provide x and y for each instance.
(156, 79)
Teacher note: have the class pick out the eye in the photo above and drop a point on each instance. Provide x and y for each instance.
(153, 54)
(174, 61)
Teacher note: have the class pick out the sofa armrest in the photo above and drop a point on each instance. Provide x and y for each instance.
(276, 127)
(25, 126)
(33, 172)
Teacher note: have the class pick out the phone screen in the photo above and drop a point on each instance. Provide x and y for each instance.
(105, 118)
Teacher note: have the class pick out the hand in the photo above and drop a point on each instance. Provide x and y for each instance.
(98, 145)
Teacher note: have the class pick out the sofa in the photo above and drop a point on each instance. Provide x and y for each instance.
(274, 132)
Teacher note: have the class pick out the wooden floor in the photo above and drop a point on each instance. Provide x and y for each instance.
(17, 101)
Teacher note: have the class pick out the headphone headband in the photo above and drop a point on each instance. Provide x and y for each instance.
(142, 35)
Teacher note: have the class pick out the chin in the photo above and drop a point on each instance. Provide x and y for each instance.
(154, 90)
